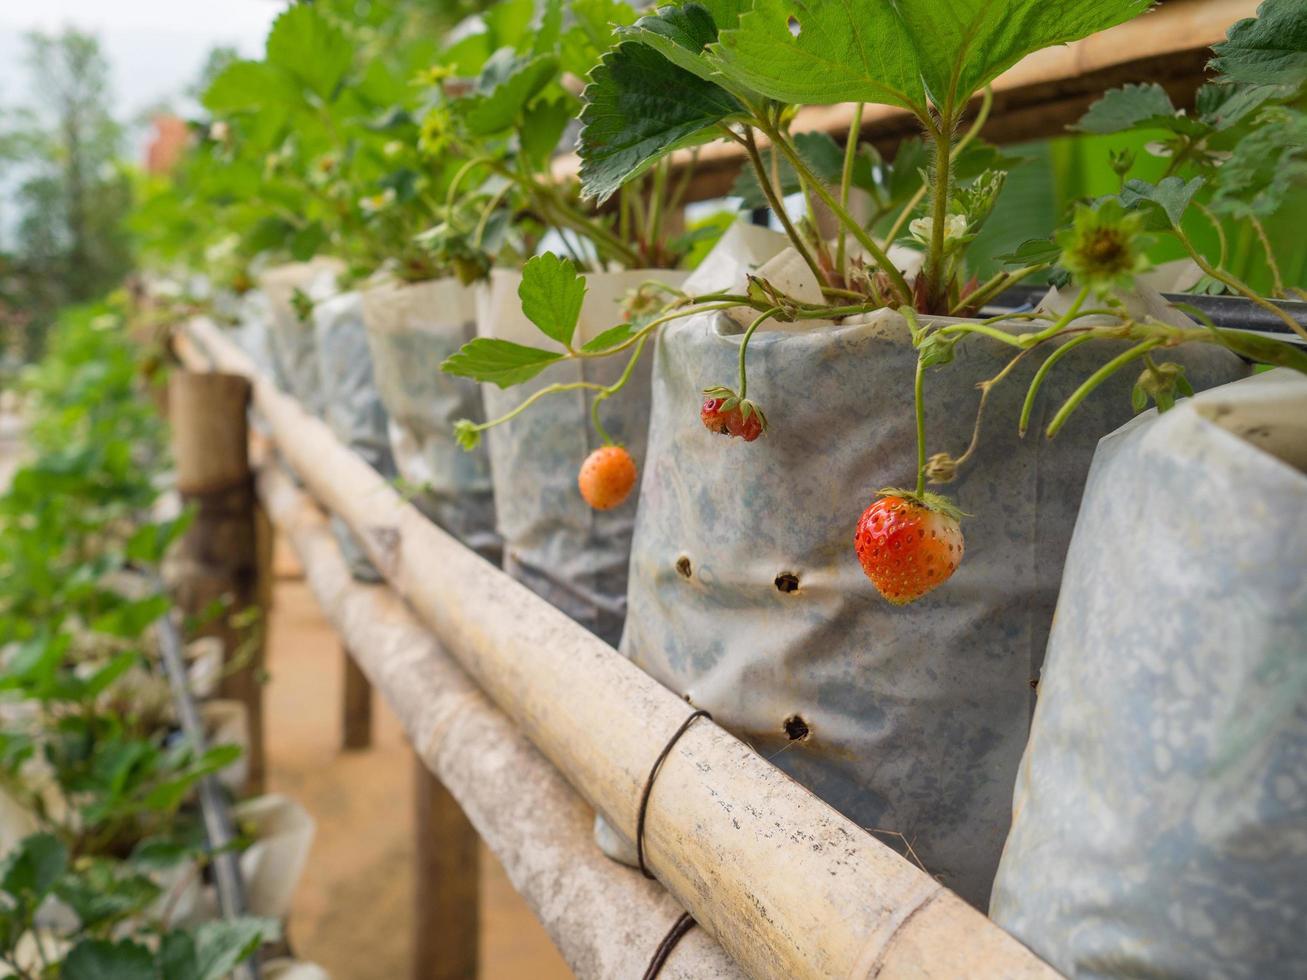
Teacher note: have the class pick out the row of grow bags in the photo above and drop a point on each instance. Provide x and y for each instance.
(731, 580)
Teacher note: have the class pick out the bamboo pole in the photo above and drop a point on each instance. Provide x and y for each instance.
(786, 884)
(218, 559)
(446, 912)
(605, 919)
(356, 705)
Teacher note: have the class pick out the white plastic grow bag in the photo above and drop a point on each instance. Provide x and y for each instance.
(351, 404)
(411, 329)
(1160, 818)
(292, 337)
(554, 543)
(747, 599)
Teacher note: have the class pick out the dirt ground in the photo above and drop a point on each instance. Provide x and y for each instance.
(352, 913)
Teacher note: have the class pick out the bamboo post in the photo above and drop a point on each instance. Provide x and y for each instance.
(446, 910)
(787, 885)
(356, 706)
(218, 558)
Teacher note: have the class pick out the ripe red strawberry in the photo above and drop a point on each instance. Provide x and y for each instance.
(908, 544)
(607, 477)
(726, 413)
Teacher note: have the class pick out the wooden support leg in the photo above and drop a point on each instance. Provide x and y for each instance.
(218, 559)
(447, 909)
(356, 706)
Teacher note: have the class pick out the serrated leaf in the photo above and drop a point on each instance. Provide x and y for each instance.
(1264, 166)
(1164, 203)
(638, 108)
(611, 337)
(552, 292)
(248, 86)
(681, 34)
(1125, 108)
(820, 52)
(543, 127)
(504, 90)
(307, 45)
(499, 362)
(1269, 49)
(1223, 106)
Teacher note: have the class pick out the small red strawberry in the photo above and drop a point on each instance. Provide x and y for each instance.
(727, 413)
(607, 477)
(908, 543)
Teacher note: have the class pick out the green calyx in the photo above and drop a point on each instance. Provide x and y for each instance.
(936, 502)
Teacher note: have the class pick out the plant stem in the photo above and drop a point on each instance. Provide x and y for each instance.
(1064, 320)
(744, 345)
(1276, 280)
(918, 384)
(532, 399)
(865, 240)
(936, 287)
(902, 219)
(1041, 374)
(846, 177)
(612, 389)
(1215, 222)
(1237, 285)
(778, 206)
(995, 286)
(1096, 379)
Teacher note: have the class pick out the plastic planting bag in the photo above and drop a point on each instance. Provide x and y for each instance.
(254, 332)
(1160, 818)
(746, 596)
(292, 335)
(554, 543)
(411, 330)
(351, 402)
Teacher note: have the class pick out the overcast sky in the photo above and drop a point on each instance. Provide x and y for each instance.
(156, 47)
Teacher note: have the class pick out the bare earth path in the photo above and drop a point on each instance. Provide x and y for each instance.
(352, 912)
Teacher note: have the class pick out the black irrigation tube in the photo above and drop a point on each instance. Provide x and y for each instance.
(1232, 312)
(218, 828)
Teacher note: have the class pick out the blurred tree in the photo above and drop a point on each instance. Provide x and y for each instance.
(71, 197)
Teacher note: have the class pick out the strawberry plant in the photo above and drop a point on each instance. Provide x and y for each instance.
(88, 751)
(690, 73)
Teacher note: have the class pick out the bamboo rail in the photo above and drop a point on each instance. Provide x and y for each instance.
(604, 918)
(787, 886)
(1036, 98)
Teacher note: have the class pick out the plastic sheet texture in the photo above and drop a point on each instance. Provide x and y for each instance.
(411, 330)
(554, 543)
(747, 599)
(351, 402)
(1160, 819)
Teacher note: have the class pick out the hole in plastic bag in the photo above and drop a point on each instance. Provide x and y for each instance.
(795, 27)
(683, 567)
(787, 582)
(796, 729)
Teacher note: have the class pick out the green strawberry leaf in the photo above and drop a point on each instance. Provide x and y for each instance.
(1264, 166)
(552, 293)
(307, 45)
(1224, 106)
(250, 86)
(681, 34)
(612, 337)
(499, 362)
(819, 52)
(31, 869)
(1127, 108)
(504, 89)
(543, 127)
(1270, 49)
(1164, 203)
(100, 959)
(638, 108)
(1033, 251)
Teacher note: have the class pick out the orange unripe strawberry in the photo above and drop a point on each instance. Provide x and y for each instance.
(908, 545)
(607, 477)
